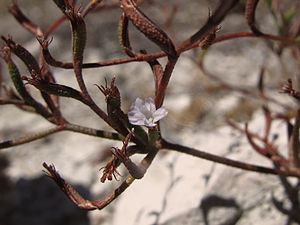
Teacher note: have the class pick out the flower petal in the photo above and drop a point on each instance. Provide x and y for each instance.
(159, 114)
(137, 104)
(149, 103)
(136, 118)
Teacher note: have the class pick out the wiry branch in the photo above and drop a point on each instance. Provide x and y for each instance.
(213, 21)
(228, 162)
(65, 127)
(77, 199)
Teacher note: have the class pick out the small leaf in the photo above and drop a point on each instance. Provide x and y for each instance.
(148, 27)
(55, 89)
(153, 136)
(289, 15)
(19, 85)
(15, 76)
(124, 37)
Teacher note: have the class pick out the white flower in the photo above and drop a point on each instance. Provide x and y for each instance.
(145, 113)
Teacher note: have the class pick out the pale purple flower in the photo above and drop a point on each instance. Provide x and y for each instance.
(144, 113)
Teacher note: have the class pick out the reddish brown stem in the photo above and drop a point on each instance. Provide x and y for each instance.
(250, 16)
(228, 162)
(24, 21)
(210, 26)
(54, 26)
(163, 82)
(77, 199)
(225, 37)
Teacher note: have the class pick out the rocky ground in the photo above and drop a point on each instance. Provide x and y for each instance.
(177, 189)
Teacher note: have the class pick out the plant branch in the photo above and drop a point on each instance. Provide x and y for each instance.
(226, 161)
(294, 154)
(211, 24)
(82, 203)
(30, 138)
(66, 127)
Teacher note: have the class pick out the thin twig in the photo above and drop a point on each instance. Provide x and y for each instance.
(213, 21)
(30, 138)
(294, 154)
(226, 161)
(77, 199)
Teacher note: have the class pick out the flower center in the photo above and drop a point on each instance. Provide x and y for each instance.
(150, 119)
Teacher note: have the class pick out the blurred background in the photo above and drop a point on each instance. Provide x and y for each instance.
(199, 102)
